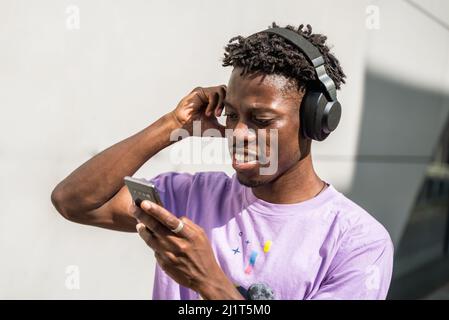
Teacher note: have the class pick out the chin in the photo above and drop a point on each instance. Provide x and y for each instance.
(250, 182)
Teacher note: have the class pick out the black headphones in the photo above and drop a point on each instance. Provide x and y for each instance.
(320, 110)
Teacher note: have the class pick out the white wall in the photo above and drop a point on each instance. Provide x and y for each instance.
(406, 106)
(67, 94)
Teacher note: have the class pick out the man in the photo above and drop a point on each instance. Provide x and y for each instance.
(285, 234)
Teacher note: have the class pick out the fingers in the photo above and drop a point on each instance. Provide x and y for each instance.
(188, 231)
(222, 96)
(159, 213)
(159, 244)
(160, 220)
(154, 225)
(215, 106)
(150, 222)
(144, 233)
(213, 99)
(160, 250)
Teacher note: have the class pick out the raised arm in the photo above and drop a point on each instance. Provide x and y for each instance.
(95, 194)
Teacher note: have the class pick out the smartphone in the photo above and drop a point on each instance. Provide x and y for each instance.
(142, 190)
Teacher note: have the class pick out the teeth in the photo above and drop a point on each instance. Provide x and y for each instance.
(250, 158)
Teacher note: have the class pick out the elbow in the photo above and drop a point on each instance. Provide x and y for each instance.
(57, 199)
(61, 204)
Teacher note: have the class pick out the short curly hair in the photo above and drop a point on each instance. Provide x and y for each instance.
(272, 54)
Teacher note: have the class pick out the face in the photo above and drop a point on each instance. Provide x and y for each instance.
(263, 113)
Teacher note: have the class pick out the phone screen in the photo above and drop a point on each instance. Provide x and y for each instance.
(142, 190)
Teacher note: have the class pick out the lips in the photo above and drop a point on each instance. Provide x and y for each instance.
(245, 161)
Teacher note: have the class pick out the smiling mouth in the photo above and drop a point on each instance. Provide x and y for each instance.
(245, 157)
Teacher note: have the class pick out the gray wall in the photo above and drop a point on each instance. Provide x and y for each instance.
(66, 94)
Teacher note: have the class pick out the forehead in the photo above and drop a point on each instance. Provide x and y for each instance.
(256, 88)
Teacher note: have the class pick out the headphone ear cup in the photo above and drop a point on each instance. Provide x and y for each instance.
(318, 116)
(307, 113)
(332, 115)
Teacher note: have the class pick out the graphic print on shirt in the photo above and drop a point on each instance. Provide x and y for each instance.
(256, 291)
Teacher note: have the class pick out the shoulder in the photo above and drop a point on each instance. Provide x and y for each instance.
(358, 228)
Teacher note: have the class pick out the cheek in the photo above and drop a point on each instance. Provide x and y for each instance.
(289, 148)
(287, 153)
(288, 144)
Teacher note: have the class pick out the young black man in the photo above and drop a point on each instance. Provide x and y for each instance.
(286, 234)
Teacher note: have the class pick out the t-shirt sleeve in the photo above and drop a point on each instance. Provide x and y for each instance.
(174, 189)
(361, 270)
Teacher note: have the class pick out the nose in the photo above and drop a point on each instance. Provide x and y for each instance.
(242, 131)
(242, 136)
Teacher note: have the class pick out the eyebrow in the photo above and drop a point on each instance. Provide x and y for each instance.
(258, 108)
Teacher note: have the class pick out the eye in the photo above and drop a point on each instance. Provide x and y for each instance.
(262, 121)
(231, 115)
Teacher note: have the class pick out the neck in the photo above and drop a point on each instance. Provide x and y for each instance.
(297, 184)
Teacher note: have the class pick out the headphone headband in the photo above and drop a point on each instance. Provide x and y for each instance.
(314, 56)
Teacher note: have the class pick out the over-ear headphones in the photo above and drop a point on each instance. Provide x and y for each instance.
(320, 110)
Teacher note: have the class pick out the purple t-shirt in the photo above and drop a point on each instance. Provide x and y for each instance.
(326, 247)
